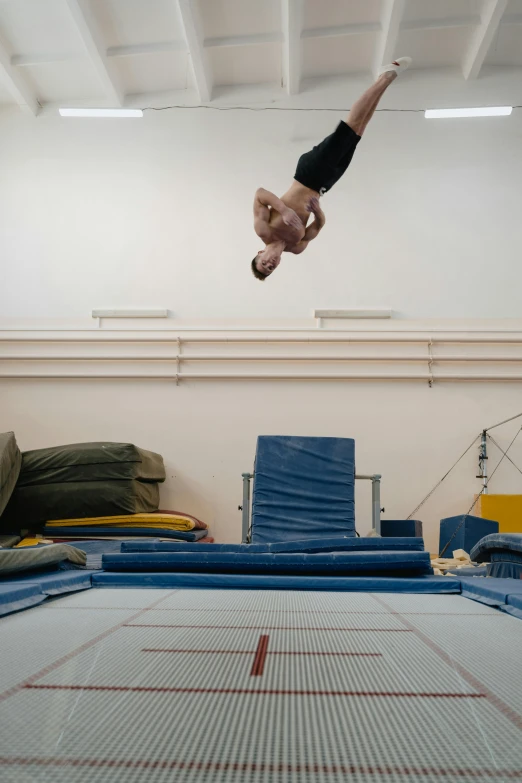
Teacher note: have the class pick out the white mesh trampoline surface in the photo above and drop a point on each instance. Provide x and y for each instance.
(248, 686)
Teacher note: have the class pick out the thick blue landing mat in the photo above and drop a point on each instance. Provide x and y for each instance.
(140, 532)
(54, 581)
(311, 546)
(506, 594)
(303, 488)
(14, 597)
(375, 584)
(345, 563)
(496, 542)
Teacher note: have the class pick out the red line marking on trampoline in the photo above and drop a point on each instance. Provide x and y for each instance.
(254, 692)
(497, 702)
(272, 652)
(56, 664)
(260, 657)
(267, 628)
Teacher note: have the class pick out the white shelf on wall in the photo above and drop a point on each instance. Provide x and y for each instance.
(151, 313)
(363, 312)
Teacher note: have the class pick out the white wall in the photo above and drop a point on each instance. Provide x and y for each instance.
(158, 213)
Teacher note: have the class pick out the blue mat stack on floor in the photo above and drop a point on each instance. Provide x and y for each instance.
(303, 532)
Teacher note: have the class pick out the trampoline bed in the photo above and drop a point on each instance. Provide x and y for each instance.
(244, 686)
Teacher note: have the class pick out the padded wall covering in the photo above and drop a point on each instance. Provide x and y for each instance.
(10, 463)
(303, 488)
(90, 462)
(31, 506)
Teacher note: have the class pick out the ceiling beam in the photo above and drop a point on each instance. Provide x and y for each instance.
(161, 47)
(15, 84)
(292, 13)
(345, 29)
(393, 11)
(193, 29)
(243, 40)
(442, 24)
(483, 38)
(26, 60)
(86, 26)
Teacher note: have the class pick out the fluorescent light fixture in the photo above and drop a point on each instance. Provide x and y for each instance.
(101, 112)
(130, 313)
(354, 313)
(483, 111)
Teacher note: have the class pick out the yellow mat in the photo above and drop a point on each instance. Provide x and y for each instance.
(153, 521)
(504, 509)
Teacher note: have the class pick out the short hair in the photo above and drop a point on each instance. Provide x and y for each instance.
(255, 271)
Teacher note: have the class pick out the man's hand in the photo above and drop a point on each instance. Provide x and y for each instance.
(291, 219)
(313, 205)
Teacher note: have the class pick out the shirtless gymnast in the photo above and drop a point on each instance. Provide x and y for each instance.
(281, 222)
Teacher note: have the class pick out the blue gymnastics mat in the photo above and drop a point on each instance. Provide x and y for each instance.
(140, 532)
(14, 597)
(303, 488)
(361, 584)
(342, 563)
(505, 594)
(54, 581)
(308, 546)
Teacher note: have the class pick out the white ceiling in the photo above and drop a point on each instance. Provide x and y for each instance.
(117, 52)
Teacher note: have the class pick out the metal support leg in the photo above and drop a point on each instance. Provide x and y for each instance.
(245, 518)
(376, 501)
(376, 504)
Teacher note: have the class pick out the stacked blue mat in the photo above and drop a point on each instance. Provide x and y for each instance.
(303, 525)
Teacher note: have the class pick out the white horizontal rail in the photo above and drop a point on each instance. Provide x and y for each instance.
(268, 376)
(421, 358)
(458, 337)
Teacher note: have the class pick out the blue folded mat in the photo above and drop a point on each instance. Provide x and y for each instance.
(14, 597)
(303, 488)
(496, 542)
(199, 581)
(54, 581)
(309, 546)
(220, 562)
(139, 532)
(505, 594)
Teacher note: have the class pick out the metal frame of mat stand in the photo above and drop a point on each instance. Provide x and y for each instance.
(376, 505)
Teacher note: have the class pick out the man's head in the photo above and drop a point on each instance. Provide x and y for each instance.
(265, 262)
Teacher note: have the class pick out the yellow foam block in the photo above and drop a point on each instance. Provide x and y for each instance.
(504, 509)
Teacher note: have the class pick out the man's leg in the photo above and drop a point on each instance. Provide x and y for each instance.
(364, 107)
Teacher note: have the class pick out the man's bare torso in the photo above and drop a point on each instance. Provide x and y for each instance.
(297, 197)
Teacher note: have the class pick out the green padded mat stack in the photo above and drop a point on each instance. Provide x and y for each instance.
(83, 480)
(10, 463)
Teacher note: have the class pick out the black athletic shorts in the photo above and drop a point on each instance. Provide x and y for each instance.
(326, 163)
